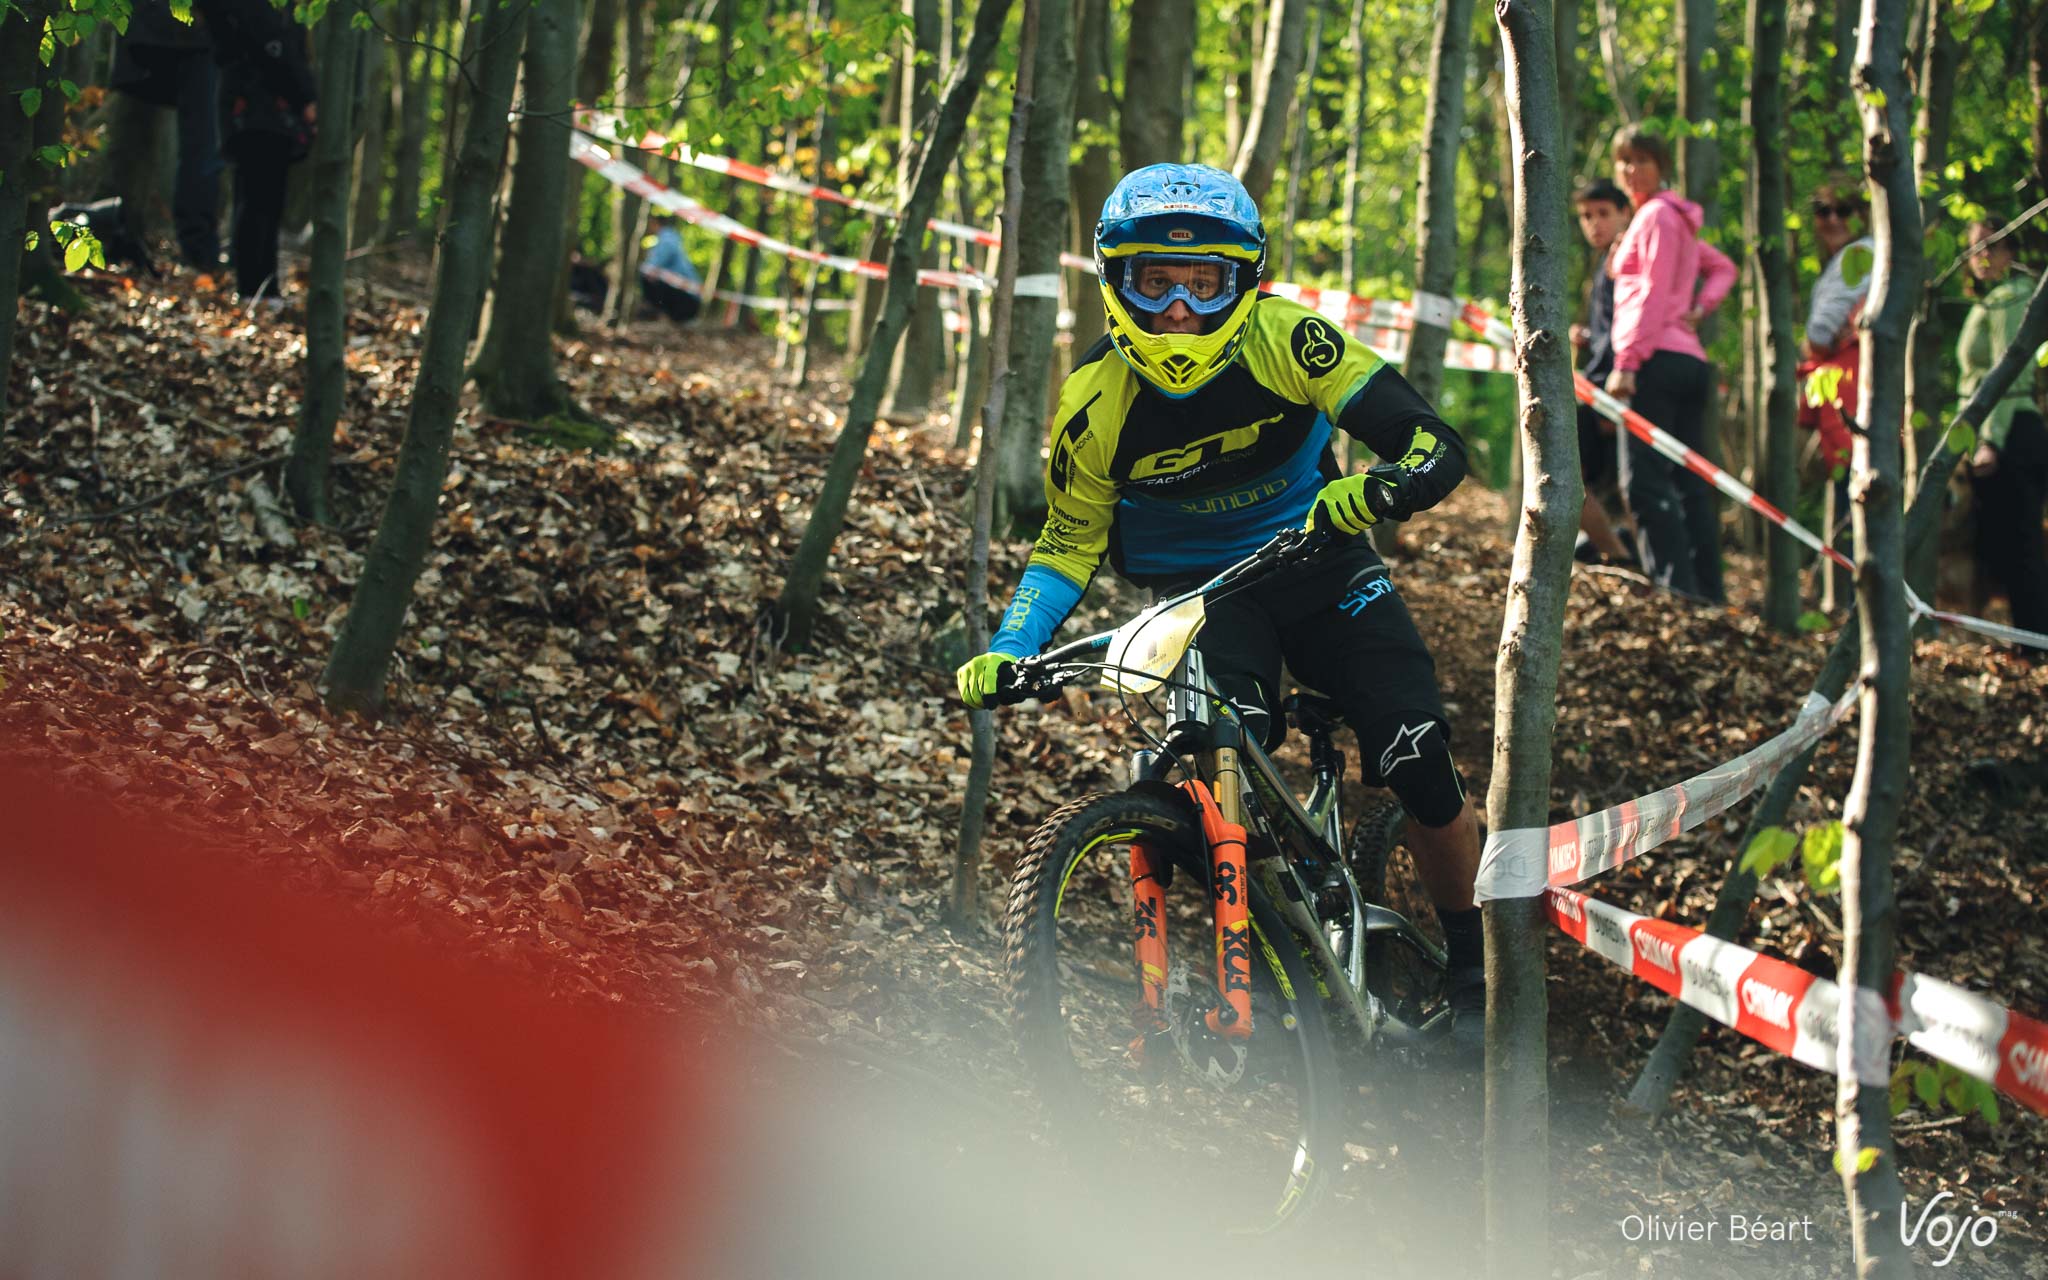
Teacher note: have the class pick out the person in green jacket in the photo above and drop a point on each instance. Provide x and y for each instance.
(2009, 471)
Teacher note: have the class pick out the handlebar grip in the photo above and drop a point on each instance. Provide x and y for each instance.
(1011, 687)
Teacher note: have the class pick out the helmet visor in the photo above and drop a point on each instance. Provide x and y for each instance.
(1152, 282)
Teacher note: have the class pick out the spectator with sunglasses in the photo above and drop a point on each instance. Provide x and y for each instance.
(1828, 400)
(1665, 280)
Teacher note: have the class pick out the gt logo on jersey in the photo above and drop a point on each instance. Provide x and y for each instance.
(1317, 347)
(1200, 451)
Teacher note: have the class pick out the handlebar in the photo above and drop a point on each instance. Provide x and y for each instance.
(1043, 676)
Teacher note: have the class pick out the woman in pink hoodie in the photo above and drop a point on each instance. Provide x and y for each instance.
(1665, 280)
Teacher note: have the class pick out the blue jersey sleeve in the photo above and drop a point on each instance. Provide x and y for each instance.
(1043, 600)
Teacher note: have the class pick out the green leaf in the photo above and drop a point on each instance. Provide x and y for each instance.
(1814, 620)
(30, 241)
(69, 89)
(77, 253)
(1987, 1105)
(1961, 438)
(1927, 1086)
(301, 610)
(1957, 1091)
(361, 21)
(1820, 853)
(31, 102)
(1772, 846)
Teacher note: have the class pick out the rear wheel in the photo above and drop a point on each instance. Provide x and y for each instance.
(1404, 978)
(1261, 1117)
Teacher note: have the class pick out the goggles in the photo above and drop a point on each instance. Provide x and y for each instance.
(1153, 282)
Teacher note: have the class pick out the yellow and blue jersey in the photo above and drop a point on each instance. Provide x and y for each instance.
(1172, 488)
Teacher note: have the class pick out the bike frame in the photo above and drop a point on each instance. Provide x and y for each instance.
(1306, 838)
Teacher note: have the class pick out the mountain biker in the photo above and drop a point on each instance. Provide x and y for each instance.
(1206, 432)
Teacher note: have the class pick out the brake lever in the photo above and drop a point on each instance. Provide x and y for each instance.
(1017, 683)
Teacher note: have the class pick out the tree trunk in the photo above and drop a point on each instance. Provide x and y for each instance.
(1870, 817)
(2037, 77)
(372, 90)
(1565, 31)
(515, 369)
(1608, 20)
(1020, 486)
(1532, 641)
(454, 97)
(1157, 58)
(1485, 157)
(1731, 905)
(824, 220)
(376, 613)
(1436, 202)
(342, 50)
(1778, 467)
(1305, 86)
(798, 604)
(593, 80)
(1094, 174)
(1927, 340)
(21, 26)
(129, 166)
(923, 353)
(981, 766)
(867, 292)
(1359, 53)
(411, 80)
(1258, 156)
(626, 215)
(1699, 155)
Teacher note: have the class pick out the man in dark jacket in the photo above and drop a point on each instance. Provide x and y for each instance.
(1603, 212)
(267, 93)
(168, 63)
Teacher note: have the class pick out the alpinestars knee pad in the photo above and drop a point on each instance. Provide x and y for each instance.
(1410, 756)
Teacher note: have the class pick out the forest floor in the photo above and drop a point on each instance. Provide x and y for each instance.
(595, 748)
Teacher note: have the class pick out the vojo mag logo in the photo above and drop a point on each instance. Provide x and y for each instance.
(1766, 1003)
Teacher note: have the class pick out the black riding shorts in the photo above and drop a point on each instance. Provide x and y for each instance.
(1338, 625)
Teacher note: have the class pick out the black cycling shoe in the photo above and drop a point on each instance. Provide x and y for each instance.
(1465, 993)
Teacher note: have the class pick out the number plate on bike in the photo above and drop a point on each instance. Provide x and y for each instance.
(1144, 651)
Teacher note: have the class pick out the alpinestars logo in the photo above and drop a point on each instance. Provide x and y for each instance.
(1406, 746)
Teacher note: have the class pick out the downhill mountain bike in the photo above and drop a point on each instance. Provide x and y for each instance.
(1208, 853)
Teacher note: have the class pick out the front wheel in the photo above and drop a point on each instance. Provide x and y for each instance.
(1264, 1115)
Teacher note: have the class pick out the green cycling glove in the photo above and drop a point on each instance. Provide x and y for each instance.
(978, 677)
(1352, 504)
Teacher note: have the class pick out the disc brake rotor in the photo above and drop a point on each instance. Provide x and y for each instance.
(1217, 1062)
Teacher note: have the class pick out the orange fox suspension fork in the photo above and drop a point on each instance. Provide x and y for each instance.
(1232, 891)
(1148, 926)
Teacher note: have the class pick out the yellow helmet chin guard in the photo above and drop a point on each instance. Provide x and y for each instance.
(1177, 363)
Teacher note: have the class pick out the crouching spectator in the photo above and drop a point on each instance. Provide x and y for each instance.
(668, 282)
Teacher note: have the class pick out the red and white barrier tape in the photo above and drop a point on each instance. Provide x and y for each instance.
(1792, 1012)
(592, 156)
(1524, 861)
